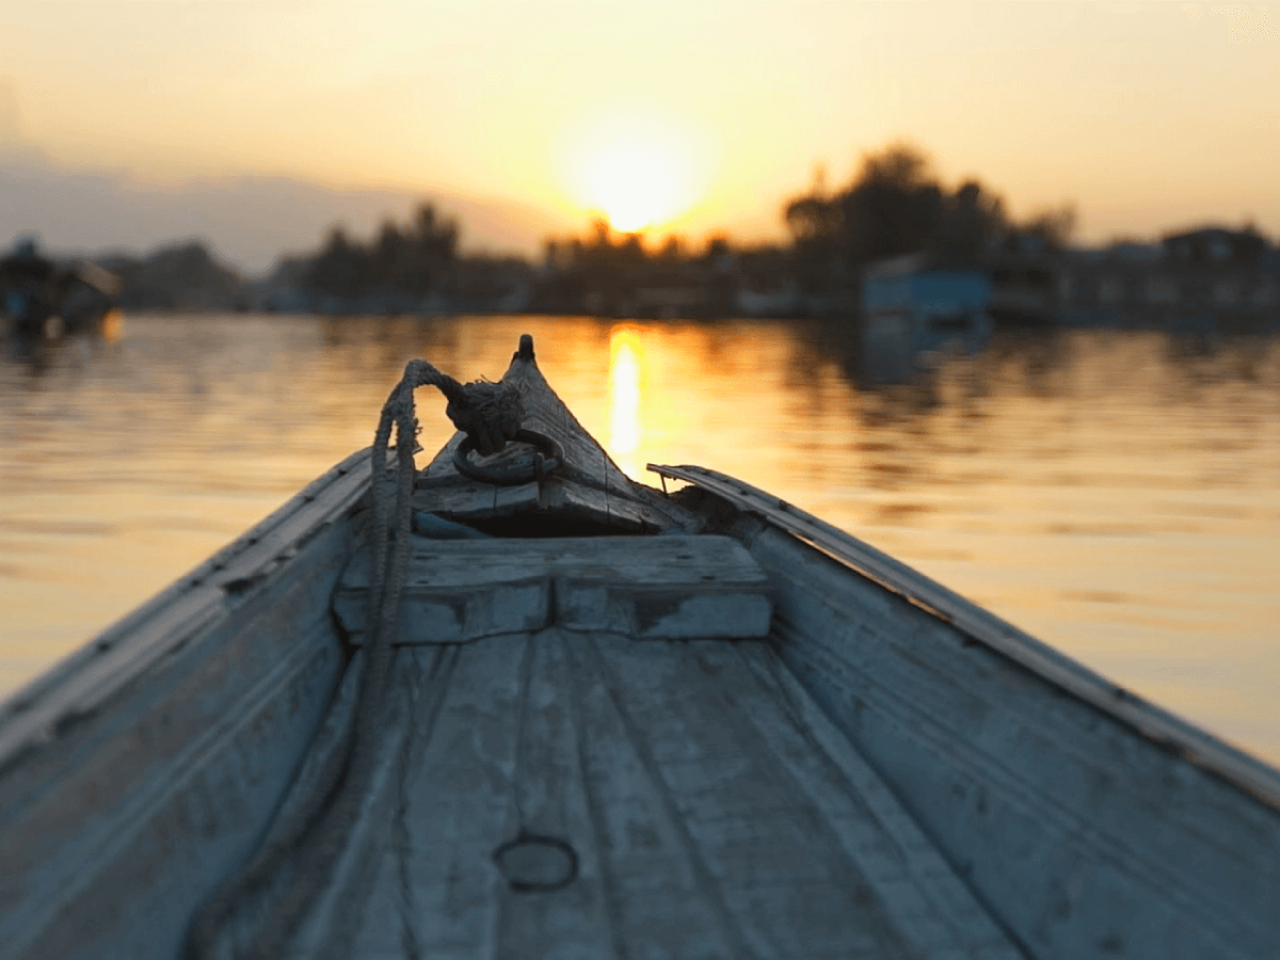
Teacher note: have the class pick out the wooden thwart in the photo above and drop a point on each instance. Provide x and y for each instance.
(652, 588)
(448, 494)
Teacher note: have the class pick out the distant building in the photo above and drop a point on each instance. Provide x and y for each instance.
(1023, 287)
(1209, 278)
(911, 308)
(1216, 247)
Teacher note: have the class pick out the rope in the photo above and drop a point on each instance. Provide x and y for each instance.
(490, 415)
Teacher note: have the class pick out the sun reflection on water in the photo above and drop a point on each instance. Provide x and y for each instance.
(625, 352)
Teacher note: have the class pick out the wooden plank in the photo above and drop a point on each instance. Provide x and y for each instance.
(464, 500)
(669, 587)
(786, 835)
(433, 889)
(1197, 746)
(355, 893)
(144, 766)
(549, 799)
(928, 903)
(88, 676)
(705, 817)
(127, 816)
(467, 501)
(1083, 836)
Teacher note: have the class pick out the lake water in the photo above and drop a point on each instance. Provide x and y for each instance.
(1115, 493)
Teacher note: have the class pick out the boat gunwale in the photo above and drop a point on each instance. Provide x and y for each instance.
(1167, 730)
(87, 676)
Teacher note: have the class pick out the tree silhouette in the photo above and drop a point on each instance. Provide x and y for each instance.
(895, 206)
(1050, 229)
(973, 224)
(412, 260)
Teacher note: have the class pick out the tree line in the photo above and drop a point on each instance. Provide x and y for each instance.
(894, 204)
(413, 259)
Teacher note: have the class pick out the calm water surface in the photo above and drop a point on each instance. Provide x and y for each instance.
(1115, 493)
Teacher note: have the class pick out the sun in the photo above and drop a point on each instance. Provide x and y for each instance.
(638, 175)
(635, 185)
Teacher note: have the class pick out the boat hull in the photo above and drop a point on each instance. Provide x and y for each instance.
(147, 766)
(1080, 835)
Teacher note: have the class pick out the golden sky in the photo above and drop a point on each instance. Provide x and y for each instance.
(695, 115)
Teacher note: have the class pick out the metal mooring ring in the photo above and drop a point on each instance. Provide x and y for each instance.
(547, 456)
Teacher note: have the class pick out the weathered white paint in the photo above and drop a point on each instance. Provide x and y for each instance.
(647, 587)
(984, 627)
(711, 809)
(1083, 835)
(145, 766)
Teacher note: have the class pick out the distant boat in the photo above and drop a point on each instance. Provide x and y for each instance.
(570, 715)
(40, 297)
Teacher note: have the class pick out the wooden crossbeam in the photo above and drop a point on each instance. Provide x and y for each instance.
(652, 588)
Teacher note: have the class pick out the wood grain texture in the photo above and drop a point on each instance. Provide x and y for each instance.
(589, 486)
(982, 626)
(1083, 837)
(713, 811)
(670, 587)
(144, 769)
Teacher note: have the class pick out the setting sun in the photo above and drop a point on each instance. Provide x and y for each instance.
(636, 173)
(633, 185)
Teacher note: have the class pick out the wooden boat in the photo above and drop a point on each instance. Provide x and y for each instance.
(575, 716)
(42, 299)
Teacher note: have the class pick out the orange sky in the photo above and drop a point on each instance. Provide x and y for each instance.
(1146, 116)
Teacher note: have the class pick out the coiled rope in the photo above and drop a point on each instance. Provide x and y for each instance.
(313, 835)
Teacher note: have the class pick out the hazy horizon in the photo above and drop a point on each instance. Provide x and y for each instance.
(522, 120)
(249, 221)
